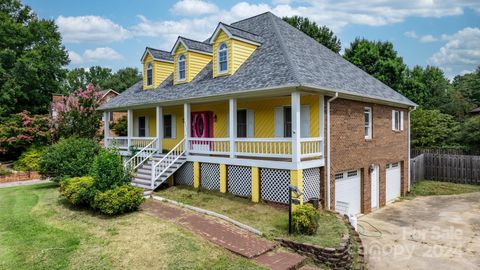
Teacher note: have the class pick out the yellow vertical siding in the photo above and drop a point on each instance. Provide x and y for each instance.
(178, 112)
(241, 52)
(195, 62)
(161, 71)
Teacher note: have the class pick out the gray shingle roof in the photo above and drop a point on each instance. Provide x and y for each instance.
(160, 54)
(196, 45)
(237, 32)
(286, 58)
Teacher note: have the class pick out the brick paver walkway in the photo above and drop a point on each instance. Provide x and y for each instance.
(227, 235)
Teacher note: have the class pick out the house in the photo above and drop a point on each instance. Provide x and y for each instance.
(105, 96)
(260, 106)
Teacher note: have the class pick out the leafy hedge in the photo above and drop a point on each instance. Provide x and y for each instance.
(79, 191)
(107, 170)
(30, 159)
(305, 219)
(119, 200)
(72, 157)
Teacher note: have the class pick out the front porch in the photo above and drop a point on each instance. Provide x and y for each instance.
(261, 143)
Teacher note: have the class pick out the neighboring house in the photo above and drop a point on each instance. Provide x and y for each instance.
(259, 106)
(106, 95)
(475, 111)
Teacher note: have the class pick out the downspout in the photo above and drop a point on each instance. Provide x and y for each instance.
(409, 149)
(328, 148)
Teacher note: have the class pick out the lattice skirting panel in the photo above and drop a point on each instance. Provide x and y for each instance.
(210, 176)
(239, 180)
(311, 184)
(274, 185)
(184, 174)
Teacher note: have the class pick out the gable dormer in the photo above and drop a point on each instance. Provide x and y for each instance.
(157, 66)
(189, 57)
(231, 48)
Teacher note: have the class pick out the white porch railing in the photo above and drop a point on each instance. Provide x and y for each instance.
(264, 147)
(311, 147)
(167, 161)
(124, 142)
(141, 156)
(217, 146)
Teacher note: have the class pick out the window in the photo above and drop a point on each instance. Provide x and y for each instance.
(142, 126)
(149, 74)
(397, 120)
(167, 126)
(241, 123)
(352, 173)
(181, 68)
(110, 117)
(287, 126)
(368, 122)
(222, 58)
(338, 176)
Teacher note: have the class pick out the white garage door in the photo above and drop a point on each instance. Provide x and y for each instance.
(347, 192)
(393, 181)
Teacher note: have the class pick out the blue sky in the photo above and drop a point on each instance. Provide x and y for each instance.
(114, 34)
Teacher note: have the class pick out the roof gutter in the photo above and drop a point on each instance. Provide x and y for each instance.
(328, 148)
(411, 109)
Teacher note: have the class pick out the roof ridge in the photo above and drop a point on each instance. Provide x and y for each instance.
(182, 37)
(157, 49)
(289, 61)
(240, 29)
(266, 12)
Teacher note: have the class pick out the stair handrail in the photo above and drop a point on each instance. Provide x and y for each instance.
(178, 150)
(139, 157)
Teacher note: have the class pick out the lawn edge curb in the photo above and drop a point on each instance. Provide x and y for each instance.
(210, 213)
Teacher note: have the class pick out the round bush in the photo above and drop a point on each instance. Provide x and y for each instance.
(78, 190)
(30, 159)
(305, 219)
(107, 170)
(119, 200)
(70, 157)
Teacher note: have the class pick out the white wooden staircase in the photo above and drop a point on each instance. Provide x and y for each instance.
(151, 169)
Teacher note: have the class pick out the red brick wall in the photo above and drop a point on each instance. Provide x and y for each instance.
(350, 150)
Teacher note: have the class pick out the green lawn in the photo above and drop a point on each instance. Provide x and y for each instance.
(429, 188)
(38, 230)
(271, 221)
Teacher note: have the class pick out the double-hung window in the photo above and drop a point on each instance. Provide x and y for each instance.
(182, 68)
(241, 123)
(149, 74)
(397, 120)
(287, 124)
(142, 126)
(222, 58)
(367, 112)
(167, 126)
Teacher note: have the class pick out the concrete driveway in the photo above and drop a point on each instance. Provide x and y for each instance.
(437, 232)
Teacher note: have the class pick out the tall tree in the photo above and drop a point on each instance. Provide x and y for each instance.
(122, 79)
(31, 59)
(379, 59)
(469, 85)
(322, 34)
(433, 129)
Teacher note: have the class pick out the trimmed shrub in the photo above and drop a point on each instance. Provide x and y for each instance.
(30, 159)
(119, 200)
(305, 219)
(70, 157)
(78, 190)
(107, 170)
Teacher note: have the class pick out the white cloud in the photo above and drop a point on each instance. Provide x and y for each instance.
(90, 29)
(193, 8)
(94, 55)
(75, 58)
(411, 34)
(428, 38)
(461, 52)
(423, 39)
(103, 53)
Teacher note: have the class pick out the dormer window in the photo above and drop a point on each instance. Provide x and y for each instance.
(149, 74)
(181, 68)
(222, 58)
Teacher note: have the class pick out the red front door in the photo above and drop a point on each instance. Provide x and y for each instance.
(202, 127)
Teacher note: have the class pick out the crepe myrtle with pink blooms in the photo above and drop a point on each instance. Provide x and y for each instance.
(77, 115)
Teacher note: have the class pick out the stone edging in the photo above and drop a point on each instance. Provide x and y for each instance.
(210, 213)
(20, 176)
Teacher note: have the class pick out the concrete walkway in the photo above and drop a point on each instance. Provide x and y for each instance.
(226, 235)
(23, 183)
(435, 232)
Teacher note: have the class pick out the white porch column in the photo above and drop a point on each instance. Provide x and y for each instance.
(186, 126)
(296, 127)
(232, 117)
(106, 127)
(159, 126)
(129, 127)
